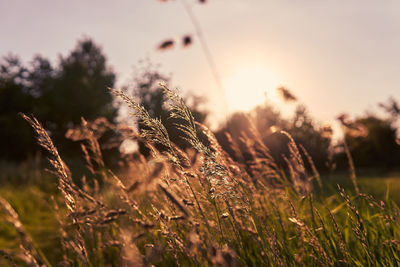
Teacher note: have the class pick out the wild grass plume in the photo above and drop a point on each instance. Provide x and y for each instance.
(201, 207)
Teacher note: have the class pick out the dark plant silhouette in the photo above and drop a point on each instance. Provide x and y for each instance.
(58, 95)
(392, 107)
(187, 40)
(371, 142)
(149, 94)
(167, 44)
(268, 123)
(286, 95)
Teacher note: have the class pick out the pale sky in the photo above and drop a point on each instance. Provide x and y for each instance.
(335, 56)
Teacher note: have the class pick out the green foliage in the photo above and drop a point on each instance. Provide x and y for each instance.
(34, 205)
(207, 210)
(14, 97)
(315, 139)
(267, 122)
(79, 88)
(378, 147)
(59, 96)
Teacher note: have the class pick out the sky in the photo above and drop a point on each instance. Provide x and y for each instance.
(335, 56)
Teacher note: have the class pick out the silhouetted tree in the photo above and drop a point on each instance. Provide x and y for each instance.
(266, 123)
(315, 139)
(378, 147)
(15, 96)
(58, 97)
(79, 89)
(392, 107)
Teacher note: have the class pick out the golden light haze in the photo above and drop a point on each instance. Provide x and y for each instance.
(335, 56)
(250, 85)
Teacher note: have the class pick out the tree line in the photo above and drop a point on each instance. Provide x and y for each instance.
(60, 95)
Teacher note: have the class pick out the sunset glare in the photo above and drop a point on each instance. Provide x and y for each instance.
(250, 85)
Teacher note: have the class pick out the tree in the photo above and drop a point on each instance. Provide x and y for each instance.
(79, 89)
(392, 107)
(15, 96)
(316, 140)
(378, 147)
(58, 97)
(265, 123)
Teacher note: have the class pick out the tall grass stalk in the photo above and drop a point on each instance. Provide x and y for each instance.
(200, 207)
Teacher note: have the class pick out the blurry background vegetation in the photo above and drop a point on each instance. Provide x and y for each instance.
(60, 95)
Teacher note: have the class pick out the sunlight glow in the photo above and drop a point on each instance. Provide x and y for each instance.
(249, 86)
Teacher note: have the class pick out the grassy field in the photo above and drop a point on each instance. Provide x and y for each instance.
(36, 210)
(382, 186)
(196, 207)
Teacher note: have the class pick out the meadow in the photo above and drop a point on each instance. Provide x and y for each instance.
(195, 207)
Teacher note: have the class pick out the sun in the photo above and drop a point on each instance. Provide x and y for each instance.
(248, 86)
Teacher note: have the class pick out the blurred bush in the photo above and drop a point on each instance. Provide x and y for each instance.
(58, 95)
